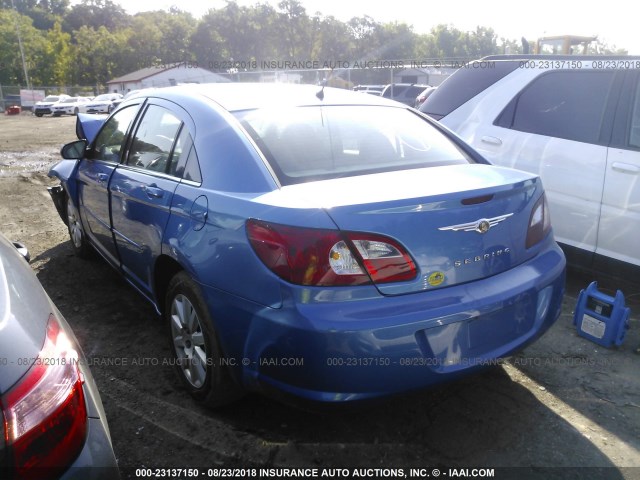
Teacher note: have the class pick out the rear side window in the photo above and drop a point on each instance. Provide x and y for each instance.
(316, 143)
(465, 84)
(562, 104)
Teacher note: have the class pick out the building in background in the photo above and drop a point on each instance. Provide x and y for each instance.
(155, 77)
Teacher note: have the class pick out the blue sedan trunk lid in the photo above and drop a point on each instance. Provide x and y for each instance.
(459, 223)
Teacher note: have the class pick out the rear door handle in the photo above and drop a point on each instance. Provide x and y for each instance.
(626, 168)
(103, 177)
(491, 140)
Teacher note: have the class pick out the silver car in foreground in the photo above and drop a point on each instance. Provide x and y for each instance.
(52, 420)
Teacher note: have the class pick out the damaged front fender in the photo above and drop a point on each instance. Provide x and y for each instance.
(65, 172)
(59, 200)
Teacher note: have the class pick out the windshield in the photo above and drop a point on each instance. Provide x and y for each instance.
(317, 143)
(51, 98)
(103, 98)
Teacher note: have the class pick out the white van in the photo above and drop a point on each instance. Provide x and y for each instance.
(573, 120)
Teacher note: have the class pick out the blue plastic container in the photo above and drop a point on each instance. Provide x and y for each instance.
(601, 318)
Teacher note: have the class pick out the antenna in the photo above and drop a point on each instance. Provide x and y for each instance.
(320, 93)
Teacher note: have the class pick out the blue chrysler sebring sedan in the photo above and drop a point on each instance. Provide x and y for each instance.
(316, 243)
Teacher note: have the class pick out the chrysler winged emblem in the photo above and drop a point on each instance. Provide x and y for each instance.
(481, 226)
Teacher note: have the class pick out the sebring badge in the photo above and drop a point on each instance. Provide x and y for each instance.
(481, 226)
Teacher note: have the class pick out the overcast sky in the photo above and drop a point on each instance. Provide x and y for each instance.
(614, 22)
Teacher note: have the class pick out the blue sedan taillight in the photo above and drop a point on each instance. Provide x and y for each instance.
(539, 222)
(45, 413)
(323, 257)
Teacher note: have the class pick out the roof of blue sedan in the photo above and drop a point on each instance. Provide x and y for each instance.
(246, 96)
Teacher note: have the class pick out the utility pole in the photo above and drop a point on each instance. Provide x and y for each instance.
(24, 62)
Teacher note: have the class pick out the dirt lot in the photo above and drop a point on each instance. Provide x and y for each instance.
(562, 405)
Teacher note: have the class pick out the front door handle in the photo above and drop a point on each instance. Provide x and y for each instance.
(102, 177)
(153, 192)
(625, 167)
(491, 140)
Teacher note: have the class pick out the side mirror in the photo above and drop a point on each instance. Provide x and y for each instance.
(23, 251)
(74, 150)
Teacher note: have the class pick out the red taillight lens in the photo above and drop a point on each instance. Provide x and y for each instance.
(385, 260)
(45, 413)
(300, 255)
(321, 257)
(539, 222)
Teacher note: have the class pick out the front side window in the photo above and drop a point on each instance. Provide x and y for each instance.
(562, 104)
(153, 141)
(110, 140)
(316, 143)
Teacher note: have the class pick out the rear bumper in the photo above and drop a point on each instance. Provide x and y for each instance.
(333, 351)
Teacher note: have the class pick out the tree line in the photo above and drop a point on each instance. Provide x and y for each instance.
(94, 41)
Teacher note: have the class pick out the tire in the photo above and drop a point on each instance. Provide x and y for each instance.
(76, 110)
(79, 242)
(39, 114)
(195, 346)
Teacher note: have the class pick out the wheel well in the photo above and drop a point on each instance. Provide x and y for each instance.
(166, 268)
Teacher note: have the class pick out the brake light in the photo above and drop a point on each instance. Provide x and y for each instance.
(539, 222)
(385, 260)
(323, 257)
(45, 413)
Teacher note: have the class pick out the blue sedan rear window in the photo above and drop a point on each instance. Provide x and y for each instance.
(317, 143)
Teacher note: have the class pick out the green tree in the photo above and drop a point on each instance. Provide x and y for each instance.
(96, 14)
(295, 27)
(332, 40)
(44, 13)
(34, 46)
(57, 69)
(235, 32)
(56, 7)
(364, 33)
(603, 48)
(207, 44)
(397, 41)
(143, 40)
(98, 55)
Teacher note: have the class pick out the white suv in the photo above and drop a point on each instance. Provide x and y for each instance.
(573, 120)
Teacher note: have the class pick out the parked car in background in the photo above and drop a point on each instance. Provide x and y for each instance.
(131, 94)
(403, 92)
(575, 121)
(44, 107)
(370, 89)
(70, 106)
(423, 96)
(313, 243)
(54, 425)
(103, 103)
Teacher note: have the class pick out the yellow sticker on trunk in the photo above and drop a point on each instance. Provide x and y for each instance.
(435, 279)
